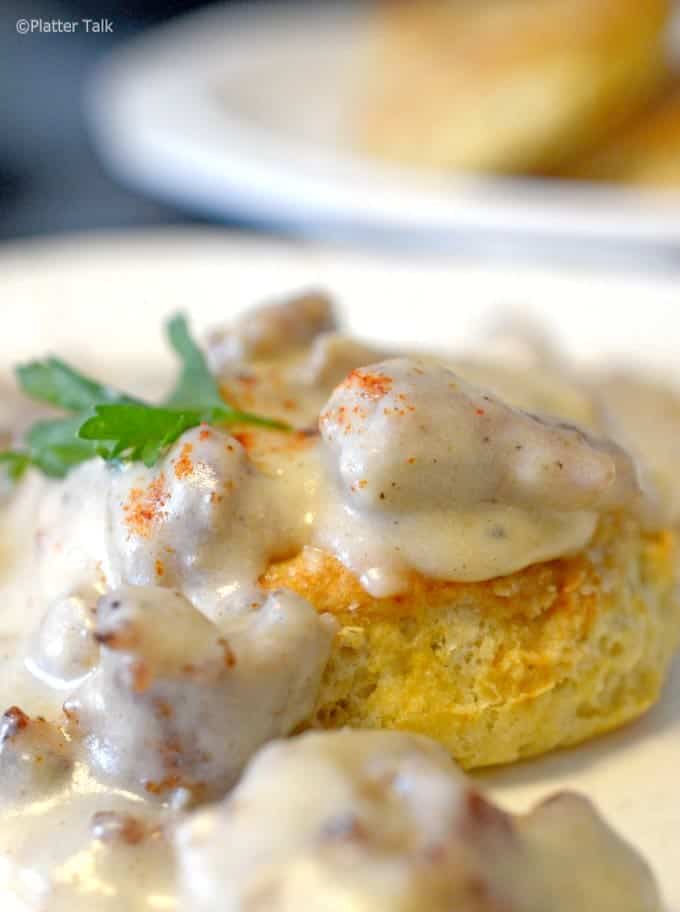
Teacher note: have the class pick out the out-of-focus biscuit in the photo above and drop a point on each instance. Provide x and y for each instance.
(505, 85)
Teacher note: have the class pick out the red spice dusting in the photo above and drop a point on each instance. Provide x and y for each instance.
(373, 386)
(157, 788)
(340, 415)
(183, 464)
(145, 507)
(480, 411)
(205, 433)
(141, 677)
(246, 439)
(108, 826)
(411, 460)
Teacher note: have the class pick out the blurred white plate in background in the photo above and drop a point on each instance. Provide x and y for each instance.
(101, 301)
(246, 112)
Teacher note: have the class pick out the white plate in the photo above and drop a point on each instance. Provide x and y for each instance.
(246, 112)
(102, 301)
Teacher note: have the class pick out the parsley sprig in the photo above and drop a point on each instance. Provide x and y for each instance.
(106, 422)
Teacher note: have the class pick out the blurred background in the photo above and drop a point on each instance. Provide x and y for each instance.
(522, 124)
(50, 177)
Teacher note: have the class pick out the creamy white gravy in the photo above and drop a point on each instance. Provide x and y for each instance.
(382, 822)
(432, 474)
(130, 597)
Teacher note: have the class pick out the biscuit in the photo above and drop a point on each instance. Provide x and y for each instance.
(503, 86)
(645, 153)
(507, 668)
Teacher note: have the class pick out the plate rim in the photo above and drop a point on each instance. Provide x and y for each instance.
(157, 127)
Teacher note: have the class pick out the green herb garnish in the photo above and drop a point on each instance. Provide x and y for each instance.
(56, 383)
(15, 463)
(196, 387)
(111, 424)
